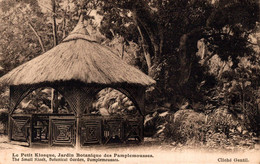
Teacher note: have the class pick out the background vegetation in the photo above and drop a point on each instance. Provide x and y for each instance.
(204, 55)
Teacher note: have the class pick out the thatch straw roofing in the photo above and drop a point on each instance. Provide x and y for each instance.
(79, 57)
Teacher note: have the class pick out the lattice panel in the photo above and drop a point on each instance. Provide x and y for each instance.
(113, 130)
(91, 132)
(20, 128)
(17, 93)
(62, 131)
(133, 130)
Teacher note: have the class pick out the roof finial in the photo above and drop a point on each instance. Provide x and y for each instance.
(81, 18)
(80, 27)
(81, 15)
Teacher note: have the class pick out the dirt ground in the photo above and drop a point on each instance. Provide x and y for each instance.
(150, 151)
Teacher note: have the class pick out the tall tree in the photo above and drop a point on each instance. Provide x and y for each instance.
(171, 30)
(22, 26)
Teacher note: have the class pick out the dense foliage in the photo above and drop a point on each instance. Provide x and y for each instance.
(168, 32)
(204, 55)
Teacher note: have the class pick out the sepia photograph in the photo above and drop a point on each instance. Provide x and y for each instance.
(130, 81)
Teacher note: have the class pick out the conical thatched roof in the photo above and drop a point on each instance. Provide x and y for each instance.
(78, 57)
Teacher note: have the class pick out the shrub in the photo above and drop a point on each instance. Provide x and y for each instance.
(221, 121)
(227, 131)
(220, 129)
(186, 126)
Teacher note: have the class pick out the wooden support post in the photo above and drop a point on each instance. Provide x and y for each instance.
(54, 101)
(77, 133)
(50, 133)
(78, 115)
(9, 114)
(31, 131)
(142, 129)
(82, 103)
(9, 128)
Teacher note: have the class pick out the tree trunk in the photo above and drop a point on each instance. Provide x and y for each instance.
(123, 48)
(35, 32)
(54, 26)
(146, 55)
(64, 25)
(188, 42)
(37, 35)
(54, 96)
(148, 30)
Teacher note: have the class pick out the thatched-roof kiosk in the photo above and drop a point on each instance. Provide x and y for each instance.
(78, 68)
